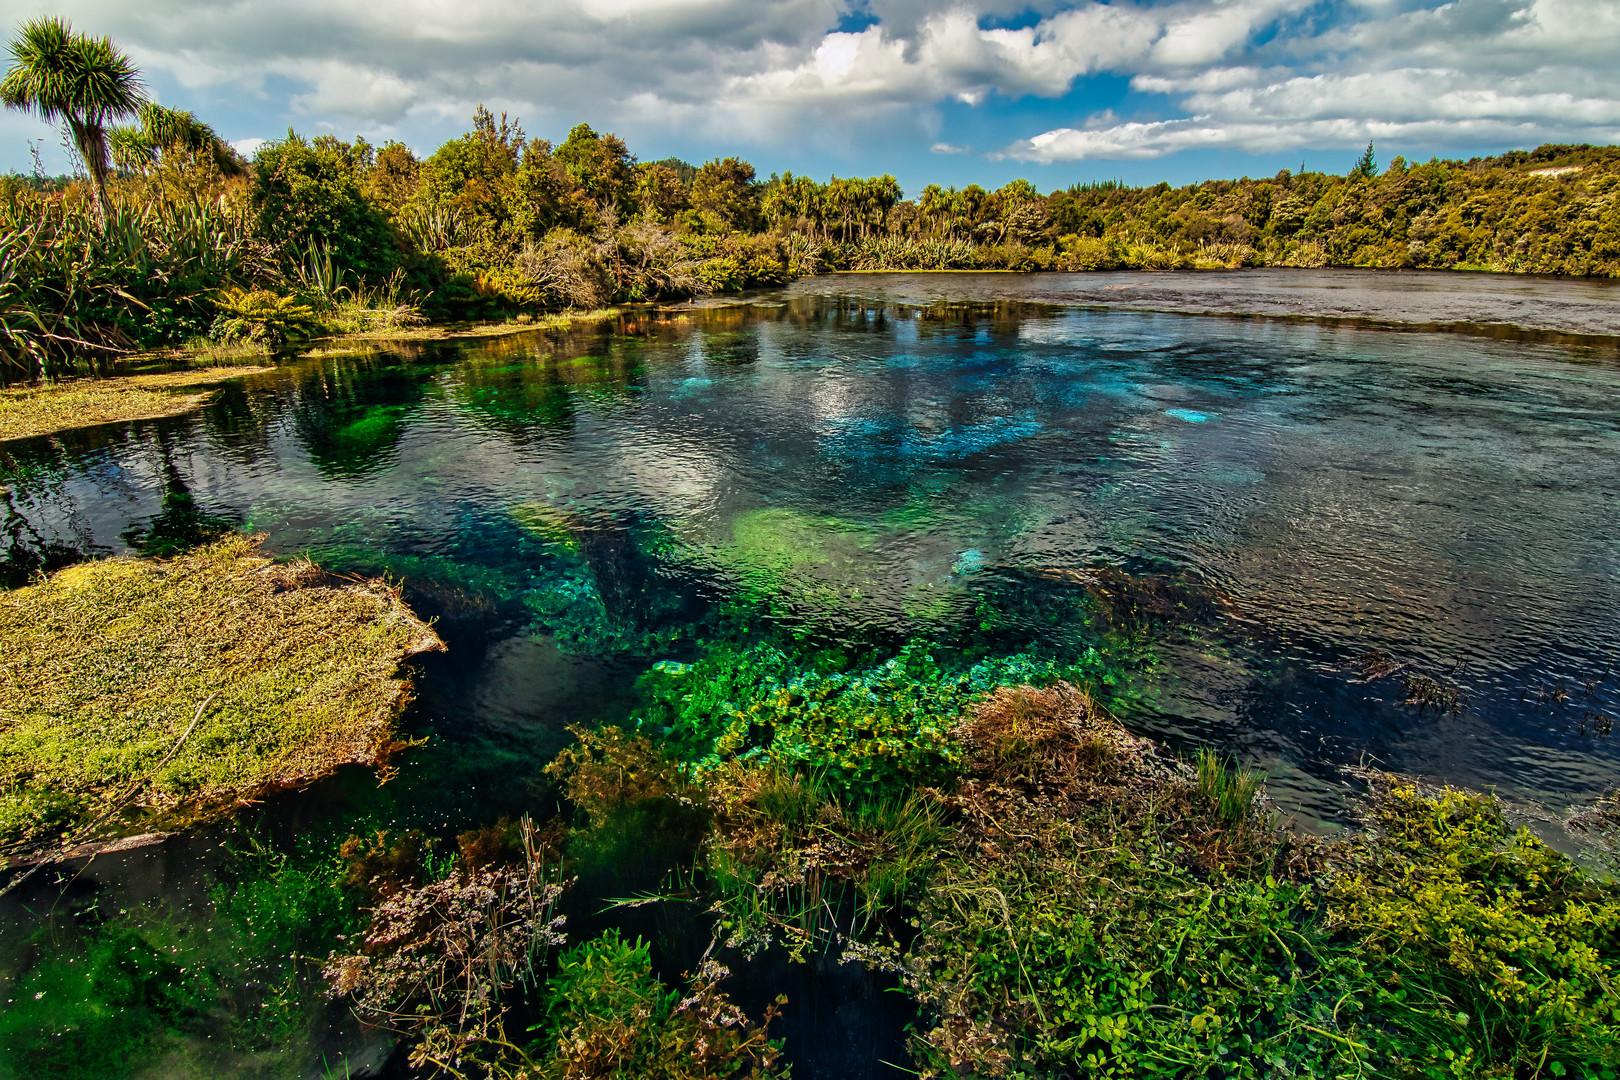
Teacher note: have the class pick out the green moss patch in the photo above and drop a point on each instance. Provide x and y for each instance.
(45, 410)
(189, 683)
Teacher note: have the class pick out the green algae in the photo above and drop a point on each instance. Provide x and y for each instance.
(150, 991)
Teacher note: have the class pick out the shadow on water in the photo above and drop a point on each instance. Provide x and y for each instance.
(181, 524)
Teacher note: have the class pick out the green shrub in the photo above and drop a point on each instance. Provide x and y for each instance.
(261, 317)
(311, 192)
(1491, 950)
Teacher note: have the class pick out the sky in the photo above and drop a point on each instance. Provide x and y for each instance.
(981, 91)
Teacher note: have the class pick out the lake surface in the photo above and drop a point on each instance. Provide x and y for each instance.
(1277, 531)
(1514, 306)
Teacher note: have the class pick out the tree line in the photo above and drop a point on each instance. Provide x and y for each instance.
(167, 234)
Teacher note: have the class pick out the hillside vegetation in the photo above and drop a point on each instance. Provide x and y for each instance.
(170, 236)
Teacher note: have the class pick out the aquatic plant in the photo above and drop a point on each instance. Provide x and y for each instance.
(608, 1016)
(437, 956)
(1137, 920)
(790, 861)
(875, 729)
(147, 687)
(201, 989)
(105, 1004)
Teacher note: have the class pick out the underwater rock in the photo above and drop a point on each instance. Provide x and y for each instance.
(1139, 600)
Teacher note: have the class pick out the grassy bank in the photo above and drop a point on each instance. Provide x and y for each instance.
(137, 691)
(26, 412)
(522, 324)
(45, 410)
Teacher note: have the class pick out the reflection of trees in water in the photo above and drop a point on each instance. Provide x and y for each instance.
(522, 393)
(350, 415)
(239, 420)
(23, 551)
(33, 480)
(181, 523)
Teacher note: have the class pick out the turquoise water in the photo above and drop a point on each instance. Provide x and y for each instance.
(1264, 528)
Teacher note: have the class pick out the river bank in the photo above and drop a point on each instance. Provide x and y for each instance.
(32, 411)
(1579, 311)
(141, 695)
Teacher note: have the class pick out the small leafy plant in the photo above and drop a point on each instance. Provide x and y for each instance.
(262, 317)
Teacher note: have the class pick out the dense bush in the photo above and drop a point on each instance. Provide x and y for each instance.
(74, 295)
(312, 192)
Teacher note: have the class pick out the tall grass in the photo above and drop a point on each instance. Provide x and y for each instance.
(1230, 790)
(73, 297)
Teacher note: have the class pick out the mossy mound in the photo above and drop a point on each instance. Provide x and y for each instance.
(44, 410)
(147, 687)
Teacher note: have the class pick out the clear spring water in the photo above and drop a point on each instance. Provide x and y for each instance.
(1261, 506)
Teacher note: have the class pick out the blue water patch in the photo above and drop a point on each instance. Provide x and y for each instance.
(959, 442)
(970, 561)
(1192, 416)
(868, 439)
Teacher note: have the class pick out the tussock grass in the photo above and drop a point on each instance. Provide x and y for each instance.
(45, 410)
(176, 686)
(1230, 790)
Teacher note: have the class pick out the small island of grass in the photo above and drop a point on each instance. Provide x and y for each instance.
(27, 412)
(135, 692)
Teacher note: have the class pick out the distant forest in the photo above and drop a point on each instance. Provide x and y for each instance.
(167, 235)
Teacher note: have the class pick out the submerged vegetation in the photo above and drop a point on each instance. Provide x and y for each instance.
(1061, 898)
(138, 692)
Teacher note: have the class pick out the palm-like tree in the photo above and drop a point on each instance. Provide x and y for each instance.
(162, 134)
(77, 80)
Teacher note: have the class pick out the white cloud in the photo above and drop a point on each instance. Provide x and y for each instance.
(1466, 73)
(1243, 74)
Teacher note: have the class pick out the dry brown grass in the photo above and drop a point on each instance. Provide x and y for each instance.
(1022, 735)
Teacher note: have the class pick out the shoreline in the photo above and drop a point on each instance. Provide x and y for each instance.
(37, 411)
(29, 412)
(1576, 312)
(90, 401)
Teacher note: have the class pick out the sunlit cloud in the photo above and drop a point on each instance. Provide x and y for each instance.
(1253, 76)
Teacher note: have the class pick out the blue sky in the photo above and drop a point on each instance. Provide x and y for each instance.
(980, 91)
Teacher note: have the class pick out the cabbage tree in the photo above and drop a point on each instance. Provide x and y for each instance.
(166, 135)
(74, 79)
